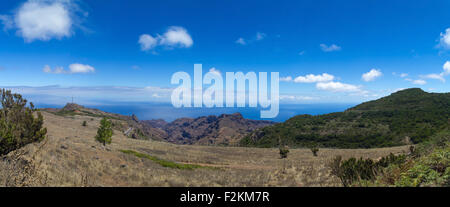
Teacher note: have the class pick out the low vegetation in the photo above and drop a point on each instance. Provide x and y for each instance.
(162, 162)
(284, 151)
(426, 165)
(18, 125)
(314, 149)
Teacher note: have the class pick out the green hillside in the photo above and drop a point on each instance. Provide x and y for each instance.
(407, 116)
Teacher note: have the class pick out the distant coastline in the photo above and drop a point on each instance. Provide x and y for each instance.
(165, 111)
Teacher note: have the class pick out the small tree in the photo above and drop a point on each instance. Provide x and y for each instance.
(104, 132)
(314, 149)
(84, 123)
(284, 150)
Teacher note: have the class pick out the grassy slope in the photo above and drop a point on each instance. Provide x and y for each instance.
(404, 116)
(72, 157)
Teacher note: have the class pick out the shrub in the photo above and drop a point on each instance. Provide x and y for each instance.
(314, 150)
(284, 152)
(104, 132)
(353, 170)
(84, 123)
(430, 170)
(18, 126)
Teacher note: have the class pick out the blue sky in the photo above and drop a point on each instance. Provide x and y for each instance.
(116, 50)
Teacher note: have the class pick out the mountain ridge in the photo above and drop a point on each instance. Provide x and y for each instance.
(225, 129)
(404, 117)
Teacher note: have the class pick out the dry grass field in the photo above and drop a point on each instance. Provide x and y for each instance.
(70, 156)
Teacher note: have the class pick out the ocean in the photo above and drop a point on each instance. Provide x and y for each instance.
(148, 111)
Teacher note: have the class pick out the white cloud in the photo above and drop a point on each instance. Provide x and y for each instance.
(403, 75)
(440, 76)
(330, 48)
(57, 70)
(446, 68)
(296, 98)
(241, 41)
(434, 76)
(445, 39)
(311, 78)
(80, 68)
(43, 19)
(258, 37)
(337, 87)
(92, 95)
(286, 79)
(73, 68)
(147, 42)
(302, 53)
(175, 36)
(419, 82)
(372, 75)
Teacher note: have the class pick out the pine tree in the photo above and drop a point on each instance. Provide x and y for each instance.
(18, 125)
(104, 132)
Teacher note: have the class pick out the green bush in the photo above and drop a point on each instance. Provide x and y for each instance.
(431, 170)
(104, 132)
(314, 149)
(284, 152)
(356, 170)
(18, 126)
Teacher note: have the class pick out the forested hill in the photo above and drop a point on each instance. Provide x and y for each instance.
(404, 117)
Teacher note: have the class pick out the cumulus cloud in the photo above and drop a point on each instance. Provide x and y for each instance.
(440, 76)
(330, 48)
(371, 75)
(311, 78)
(147, 42)
(43, 19)
(338, 87)
(446, 68)
(445, 39)
(73, 68)
(174, 37)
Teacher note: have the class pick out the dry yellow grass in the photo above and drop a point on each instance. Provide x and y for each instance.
(72, 157)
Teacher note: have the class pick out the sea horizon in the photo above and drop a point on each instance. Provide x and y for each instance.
(165, 111)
